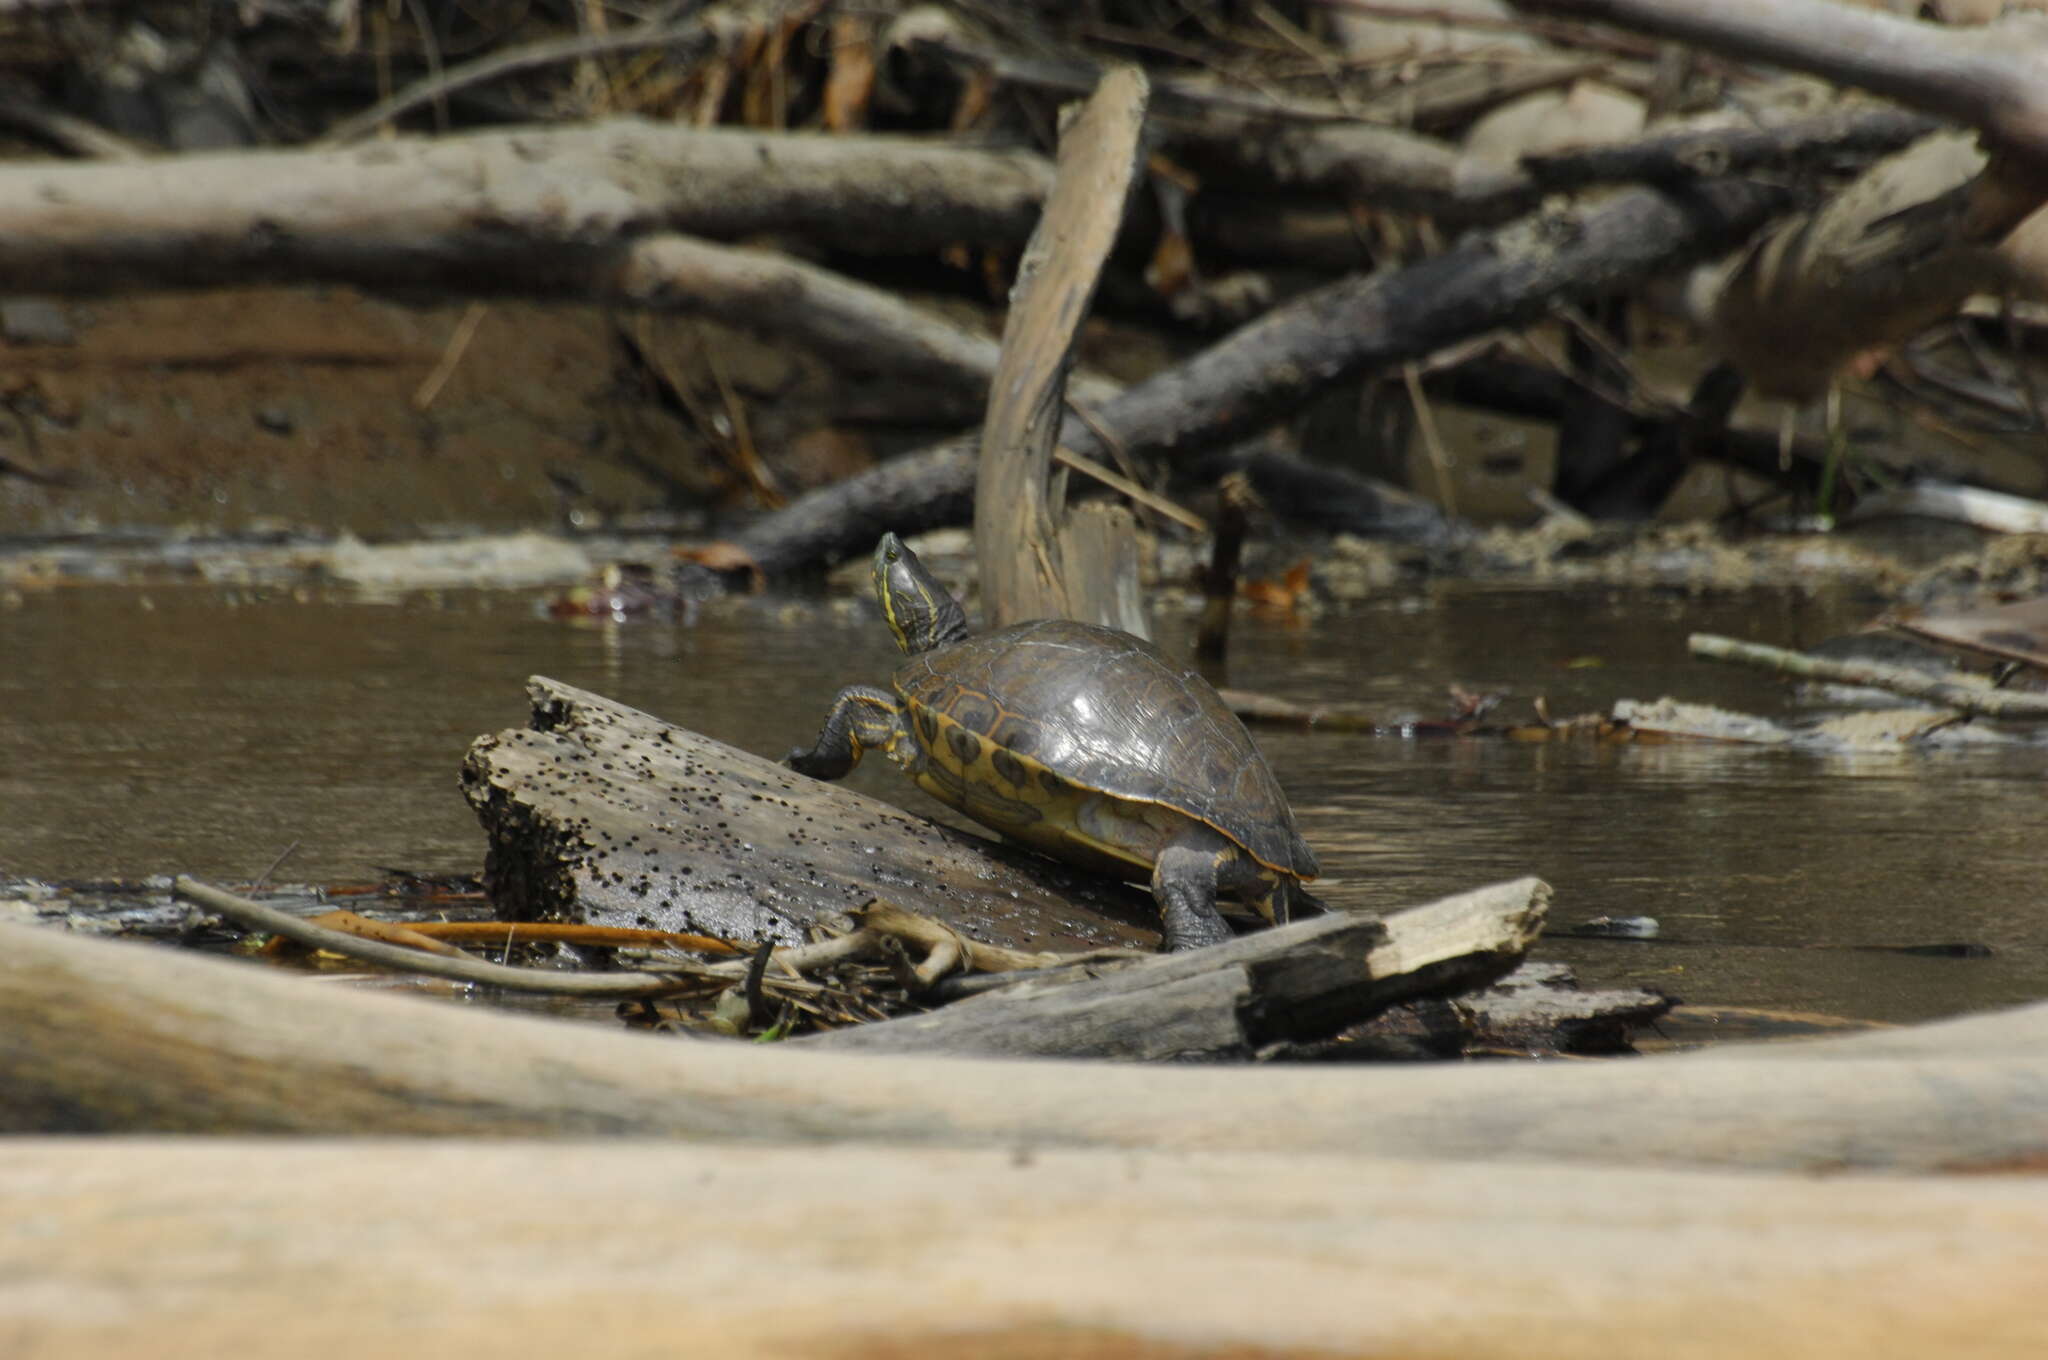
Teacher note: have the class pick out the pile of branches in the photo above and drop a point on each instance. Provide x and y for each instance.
(1353, 210)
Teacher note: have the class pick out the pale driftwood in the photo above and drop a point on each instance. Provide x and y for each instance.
(532, 212)
(861, 329)
(1019, 522)
(335, 1250)
(1972, 505)
(134, 1038)
(598, 812)
(1296, 984)
(1977, 699)
(1993, 79)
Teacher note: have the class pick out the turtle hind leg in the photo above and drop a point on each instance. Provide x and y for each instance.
(1184, 885)
(862, 719)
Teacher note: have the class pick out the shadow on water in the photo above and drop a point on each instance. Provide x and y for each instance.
(184, 730)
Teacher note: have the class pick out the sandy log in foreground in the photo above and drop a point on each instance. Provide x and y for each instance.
(172, 1248)
(120, 1037)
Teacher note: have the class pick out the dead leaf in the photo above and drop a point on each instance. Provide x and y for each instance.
(725, 557)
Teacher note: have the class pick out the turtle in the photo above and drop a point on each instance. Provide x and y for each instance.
(1085, 743)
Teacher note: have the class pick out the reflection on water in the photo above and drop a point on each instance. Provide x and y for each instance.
(183, 730)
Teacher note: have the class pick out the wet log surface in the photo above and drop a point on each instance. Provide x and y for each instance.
(1300, 982)
(598, 812)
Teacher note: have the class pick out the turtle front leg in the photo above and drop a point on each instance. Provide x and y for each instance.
(862, 719)
(1184, 885)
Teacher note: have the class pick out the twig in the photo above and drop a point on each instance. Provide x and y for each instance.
(389, 932)
(565, 932)
(608, 986)
(1989, 703)
(505, 63)
(1425, 421)
(75, 135)
(451, 357)
(282, 856)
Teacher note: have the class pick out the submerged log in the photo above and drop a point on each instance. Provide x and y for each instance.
(598, 812)
(117, 1037)
(1298, 983)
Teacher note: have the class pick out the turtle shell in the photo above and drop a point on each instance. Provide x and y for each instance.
(1108, 713)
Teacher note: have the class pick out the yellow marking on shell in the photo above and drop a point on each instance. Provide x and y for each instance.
(1098, 830)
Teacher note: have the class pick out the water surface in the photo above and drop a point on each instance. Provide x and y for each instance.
(186, 730)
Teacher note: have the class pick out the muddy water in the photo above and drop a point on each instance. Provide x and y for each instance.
(186, 730)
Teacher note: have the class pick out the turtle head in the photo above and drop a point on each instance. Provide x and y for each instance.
(920, 612)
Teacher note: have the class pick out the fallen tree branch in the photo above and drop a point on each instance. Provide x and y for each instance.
(1984, 702)
(1259, 373)
(536, 212)
(1690, 153)
(1293, 984)
(1993, 79)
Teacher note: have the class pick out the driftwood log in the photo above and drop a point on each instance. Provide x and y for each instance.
(1034, 560)
(333, 1250)
(115, 1037)
(598, 812)
(1978, 699)
(1296, 984)
(532, 212)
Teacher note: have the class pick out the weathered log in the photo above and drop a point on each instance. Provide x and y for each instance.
(1259, 373)
(128, 1037)
(1022, 533)
(1992, 80)
(2009, 705)
(324, 1250)
(1536, 1010)
(598, 812)
(1299, 983)
(531, 212)
(1689, 153)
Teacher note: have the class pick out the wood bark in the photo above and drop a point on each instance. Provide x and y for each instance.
(1259, 373)
(1020, 539)
(133, 1038)
(531, 212)
(325, 1250)
(1295, 984)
